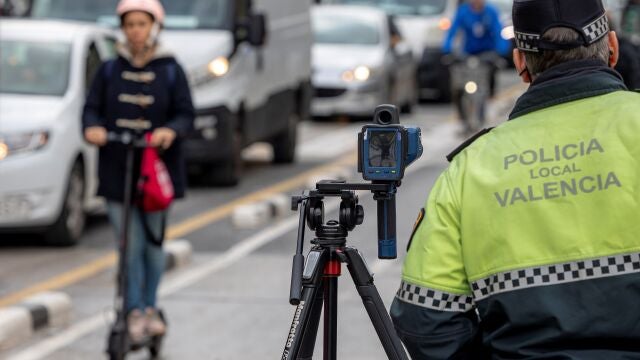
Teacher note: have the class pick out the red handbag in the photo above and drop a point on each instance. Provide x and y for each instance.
(154, 186)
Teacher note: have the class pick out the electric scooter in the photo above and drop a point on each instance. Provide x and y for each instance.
(119, 342)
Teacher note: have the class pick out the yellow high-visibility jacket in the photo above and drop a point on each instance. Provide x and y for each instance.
(530, 243)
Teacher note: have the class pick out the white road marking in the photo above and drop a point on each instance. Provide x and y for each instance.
(65, 338)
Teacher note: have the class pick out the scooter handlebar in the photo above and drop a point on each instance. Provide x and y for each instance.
(127, 138)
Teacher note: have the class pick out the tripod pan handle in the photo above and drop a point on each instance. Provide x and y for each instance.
(296, 279)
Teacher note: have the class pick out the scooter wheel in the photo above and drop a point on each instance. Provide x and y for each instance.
(118, 345)
(116, 355)
(155, 346)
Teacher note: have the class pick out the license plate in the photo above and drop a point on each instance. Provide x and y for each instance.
(15, 207)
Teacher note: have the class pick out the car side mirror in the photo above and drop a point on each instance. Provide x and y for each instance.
(257, 29)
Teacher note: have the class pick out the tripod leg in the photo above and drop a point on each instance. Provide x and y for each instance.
(330, 318)
(310, 331)
(381, 320)
(304, 327)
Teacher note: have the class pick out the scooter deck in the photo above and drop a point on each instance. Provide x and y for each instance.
(147, 342)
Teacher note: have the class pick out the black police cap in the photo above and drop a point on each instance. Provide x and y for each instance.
(532, 18)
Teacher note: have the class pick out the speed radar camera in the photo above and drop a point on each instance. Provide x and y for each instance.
(386, 148)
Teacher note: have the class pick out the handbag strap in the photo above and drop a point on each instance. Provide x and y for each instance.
(150, 236)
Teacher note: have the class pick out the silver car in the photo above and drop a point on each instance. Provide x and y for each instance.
(359, 61)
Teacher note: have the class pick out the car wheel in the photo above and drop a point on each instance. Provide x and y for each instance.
(284, 144)
(227, 173)
(407, 108)
(68, 228)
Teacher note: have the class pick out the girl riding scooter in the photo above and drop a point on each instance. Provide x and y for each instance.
(143, 87)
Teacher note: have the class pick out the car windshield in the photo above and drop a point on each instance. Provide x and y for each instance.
(34, 68)
(344, 29)
(183, 14)
(401, 7)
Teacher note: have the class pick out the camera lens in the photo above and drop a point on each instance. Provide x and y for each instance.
(385, 117)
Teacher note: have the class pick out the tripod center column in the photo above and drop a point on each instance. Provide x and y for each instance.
(332, 235)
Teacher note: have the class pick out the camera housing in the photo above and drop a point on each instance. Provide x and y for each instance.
(386, 148)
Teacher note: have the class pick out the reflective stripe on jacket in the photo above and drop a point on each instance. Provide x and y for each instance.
(530, 247)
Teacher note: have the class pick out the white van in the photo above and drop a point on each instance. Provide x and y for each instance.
(249, 65)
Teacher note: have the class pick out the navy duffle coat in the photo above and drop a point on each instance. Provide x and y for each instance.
(158, 93)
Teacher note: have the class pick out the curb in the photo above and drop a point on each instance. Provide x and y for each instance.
(19, 322)
(254, 215)
(177, 254)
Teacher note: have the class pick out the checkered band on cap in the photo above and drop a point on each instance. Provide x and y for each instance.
(592, 33)
(434, 299)
(597, 29)
(527, 42)
(556, 274)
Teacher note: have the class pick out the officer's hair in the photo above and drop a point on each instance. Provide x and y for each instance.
(538, 63)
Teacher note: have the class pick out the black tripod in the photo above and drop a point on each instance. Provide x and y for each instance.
(317, 286)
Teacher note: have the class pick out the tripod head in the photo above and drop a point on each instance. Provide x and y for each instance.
(351, 214)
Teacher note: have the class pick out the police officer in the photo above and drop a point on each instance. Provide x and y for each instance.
(529, 246)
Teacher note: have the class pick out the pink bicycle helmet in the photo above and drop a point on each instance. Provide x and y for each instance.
(152, 7)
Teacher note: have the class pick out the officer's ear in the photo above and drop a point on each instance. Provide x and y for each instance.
(521, 66)
(614, 49)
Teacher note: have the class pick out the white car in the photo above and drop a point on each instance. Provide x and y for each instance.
(47, 171)
(359, 61)
(424, 23)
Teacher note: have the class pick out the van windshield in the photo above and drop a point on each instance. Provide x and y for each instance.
(401, 7)
(34, 68)
(183, 14)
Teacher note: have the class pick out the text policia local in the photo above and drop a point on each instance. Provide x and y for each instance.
(555, 162)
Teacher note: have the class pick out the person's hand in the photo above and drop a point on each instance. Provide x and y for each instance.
(162, 138)
(96, 135)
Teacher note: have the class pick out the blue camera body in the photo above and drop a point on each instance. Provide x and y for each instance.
(385, 151)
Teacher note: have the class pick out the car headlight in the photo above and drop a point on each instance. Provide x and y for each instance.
(216, 68)
(219, 66)
(360, 73)
(19, 143)
(444, 24)
(471, 87)
(507, 33)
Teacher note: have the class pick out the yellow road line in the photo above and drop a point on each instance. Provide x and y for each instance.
(188, 226)
(65, 279)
